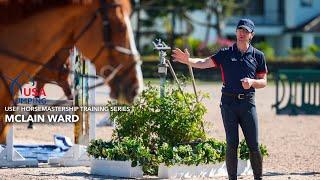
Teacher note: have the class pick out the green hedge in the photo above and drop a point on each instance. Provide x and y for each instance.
(150, 69)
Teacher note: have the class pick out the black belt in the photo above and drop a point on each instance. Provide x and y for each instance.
(239, 96)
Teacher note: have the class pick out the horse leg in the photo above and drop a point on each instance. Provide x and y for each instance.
(4, 127)
(66, 89)
(40, 84)
(63, 79)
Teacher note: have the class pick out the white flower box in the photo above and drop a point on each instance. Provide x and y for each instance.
(115, 168)
(244, 168)
(201, 171)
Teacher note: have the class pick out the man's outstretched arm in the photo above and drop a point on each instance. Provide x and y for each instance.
(184, 57)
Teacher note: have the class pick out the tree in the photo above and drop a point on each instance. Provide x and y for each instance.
(221, 9)
(169, 10)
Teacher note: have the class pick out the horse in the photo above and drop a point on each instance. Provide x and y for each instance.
(33, 33)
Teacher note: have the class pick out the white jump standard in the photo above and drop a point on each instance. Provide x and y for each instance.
(83, 73)
(85, 127)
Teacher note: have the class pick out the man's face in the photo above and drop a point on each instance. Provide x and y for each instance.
(243, 35)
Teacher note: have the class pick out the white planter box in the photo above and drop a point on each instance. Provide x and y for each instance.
(201, 171)
(244, 167)
(115, 168)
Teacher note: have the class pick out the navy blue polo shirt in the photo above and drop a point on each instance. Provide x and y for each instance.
(235, 66)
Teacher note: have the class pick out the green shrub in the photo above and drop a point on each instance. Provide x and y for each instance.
(220, 146)
(173, 119)
(192, 153)
(244, 150)
(97, 148)
(299, 52)
(314, 49)
(147, 49)
(193, 43)
(305, 54)
(210, 151)
(124, 150)
(266, 49)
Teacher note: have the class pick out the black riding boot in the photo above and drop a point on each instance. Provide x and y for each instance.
(256, 164)
(232, 162)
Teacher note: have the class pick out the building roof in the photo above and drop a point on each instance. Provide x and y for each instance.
(311, 25)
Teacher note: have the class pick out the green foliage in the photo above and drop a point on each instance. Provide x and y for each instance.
(97, 148)
(245, 153)
(303, 54)
(164, 10)
(220, 146)
(314, 49)
(299, 52)
(148, 50)
(173, 119)
(244, 150)
(210, 151)
(308, 54)
(291, 60)
(192, 153)
(205, 153)
(263, 150)
(196, 48)
(193, 43)
(124, 150)
(266, 49)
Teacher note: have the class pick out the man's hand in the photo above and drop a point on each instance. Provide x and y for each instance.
(180, 56)
(247, 83)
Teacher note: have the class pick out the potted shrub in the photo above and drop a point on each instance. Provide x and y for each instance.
(204, 159)
(195, 160)
(124, 158)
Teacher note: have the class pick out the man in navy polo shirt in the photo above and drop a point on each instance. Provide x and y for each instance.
(243, 69)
